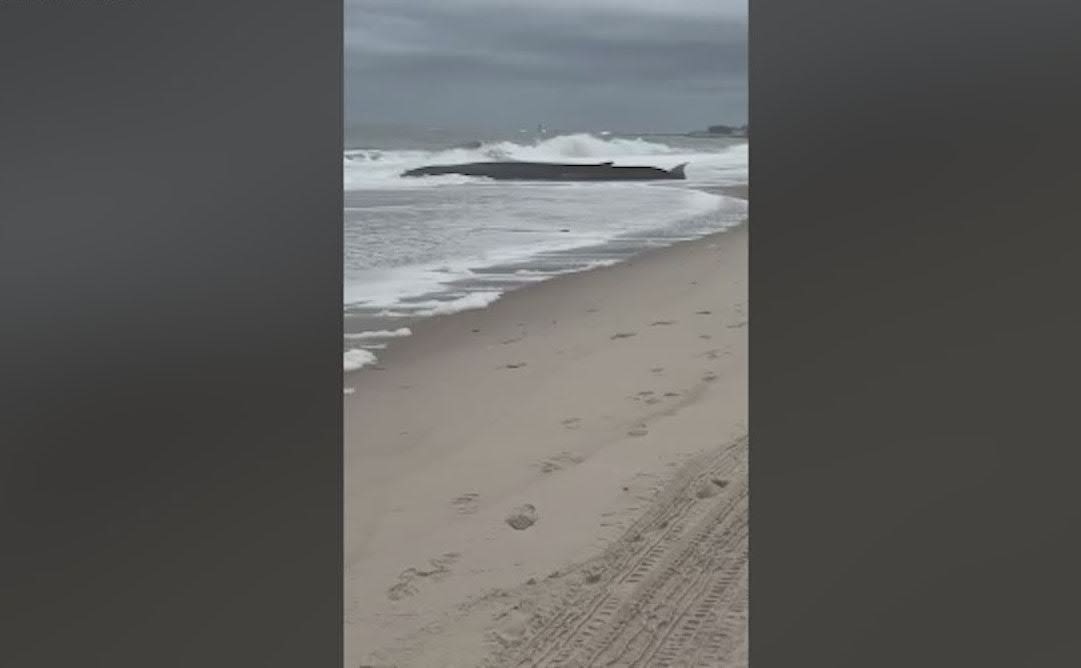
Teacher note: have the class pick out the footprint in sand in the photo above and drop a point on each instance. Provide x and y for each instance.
(662, 323)
(707, 337)
(522, 517)
(592, 310)
(572, 422)
(671, 394)
(466, 503)
(516, 365)
(560, 462)
(623, 335)
(657, 369)
(570, 458)
(741, 323)
(706, 491)
(703, 312)
(592, 576)
(637, 432)
(647, 396)
(408, 580)
(507, 342)
(709, 377)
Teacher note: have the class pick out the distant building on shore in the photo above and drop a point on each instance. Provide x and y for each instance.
(722, 131)
(729, 130)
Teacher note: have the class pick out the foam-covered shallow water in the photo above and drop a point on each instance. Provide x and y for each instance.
(417, 247)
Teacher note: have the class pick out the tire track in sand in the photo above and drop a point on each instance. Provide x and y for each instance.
(672, 591)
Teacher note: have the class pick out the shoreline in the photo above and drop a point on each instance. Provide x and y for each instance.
(358, 323)
(581, 396)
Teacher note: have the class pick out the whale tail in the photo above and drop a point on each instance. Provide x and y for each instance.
(677, 171)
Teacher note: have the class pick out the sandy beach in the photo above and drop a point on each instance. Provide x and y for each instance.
(558, 479)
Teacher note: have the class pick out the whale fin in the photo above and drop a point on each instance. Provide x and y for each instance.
(677, 171)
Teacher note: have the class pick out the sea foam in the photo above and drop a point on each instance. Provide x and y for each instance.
(356, 358)
(380, 334)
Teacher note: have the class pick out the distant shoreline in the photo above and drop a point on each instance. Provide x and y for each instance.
(693, 135)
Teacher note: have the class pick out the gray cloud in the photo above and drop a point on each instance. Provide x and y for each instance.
(612, 64)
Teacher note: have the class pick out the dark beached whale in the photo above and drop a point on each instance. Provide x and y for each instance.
(547, 171)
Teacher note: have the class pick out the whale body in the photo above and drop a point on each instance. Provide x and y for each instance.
(546, 171)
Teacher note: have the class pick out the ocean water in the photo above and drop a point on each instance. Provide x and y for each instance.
(417, 247)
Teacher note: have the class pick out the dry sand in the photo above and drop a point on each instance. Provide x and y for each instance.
(559, 479)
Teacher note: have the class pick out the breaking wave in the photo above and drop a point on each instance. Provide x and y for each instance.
(373, 168)
(356, 358)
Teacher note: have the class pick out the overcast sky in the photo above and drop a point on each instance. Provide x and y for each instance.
(621, 65)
